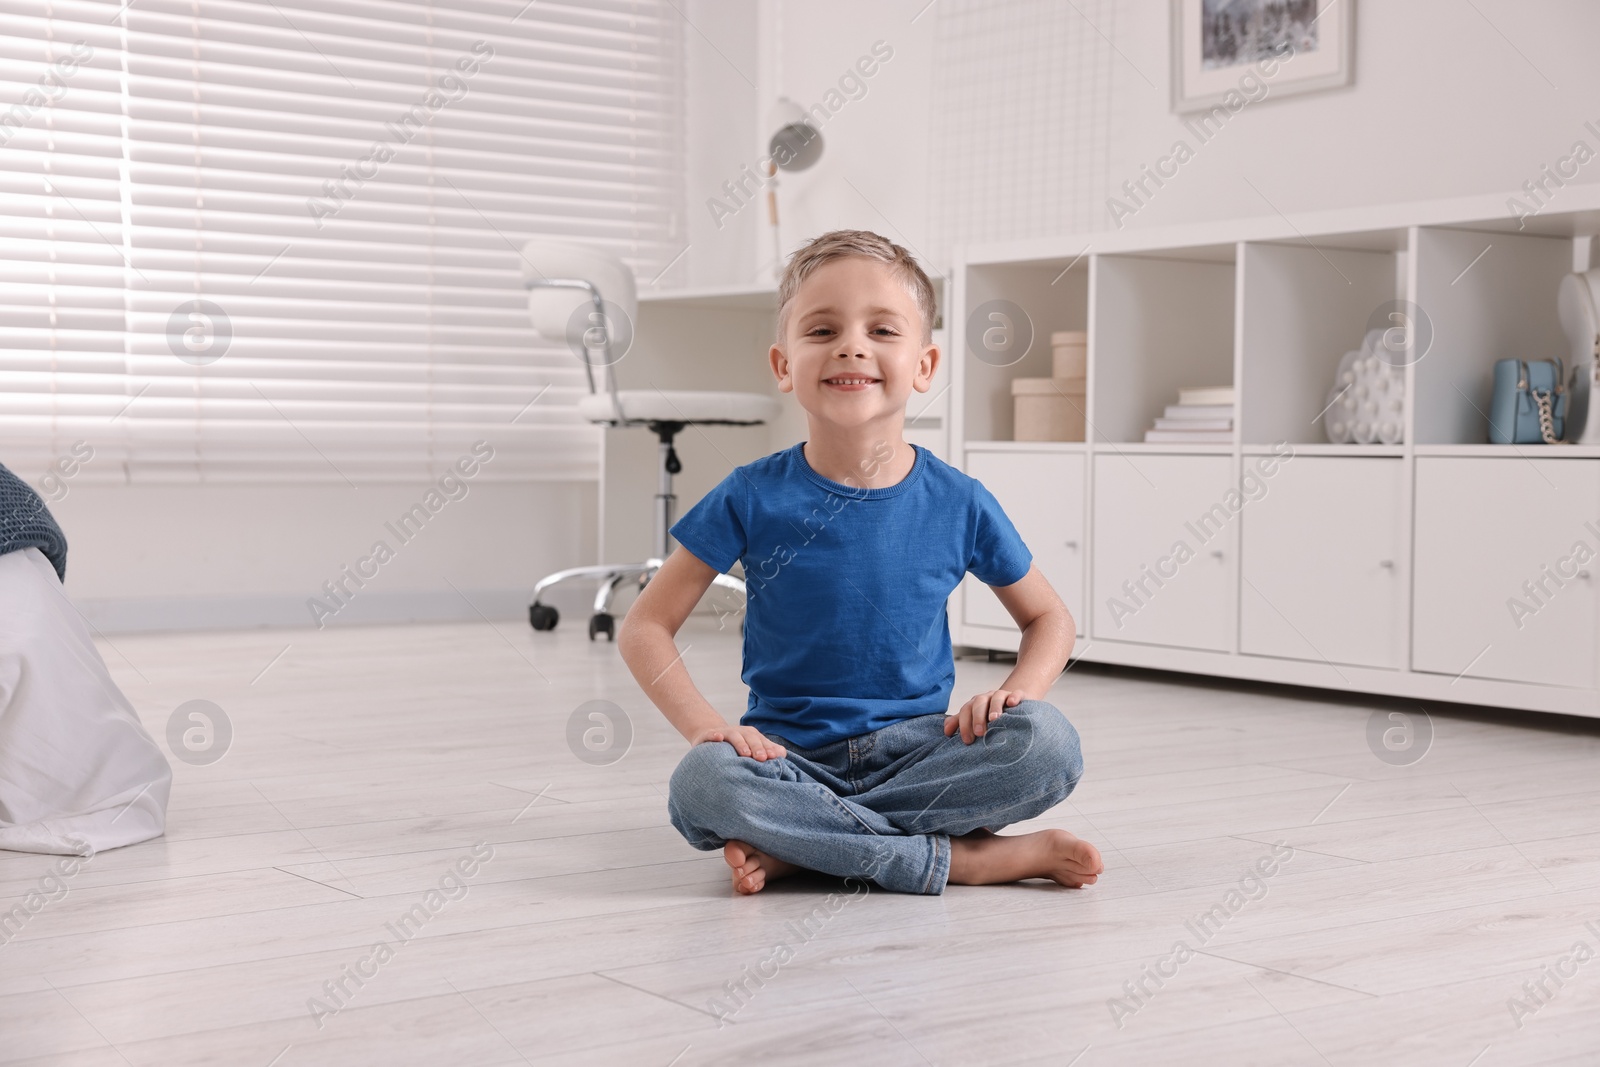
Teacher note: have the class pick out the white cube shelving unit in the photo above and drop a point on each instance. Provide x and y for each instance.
(1381, 569)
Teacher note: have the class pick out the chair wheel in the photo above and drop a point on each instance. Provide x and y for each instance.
(601, 622)
(543, 616)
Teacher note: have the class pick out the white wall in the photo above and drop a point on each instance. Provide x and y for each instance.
(722, 61)
(195, 556)
(877, 142)
(1446, 102)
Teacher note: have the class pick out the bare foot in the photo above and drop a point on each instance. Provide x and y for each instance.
(752, 868)
(1054, 854)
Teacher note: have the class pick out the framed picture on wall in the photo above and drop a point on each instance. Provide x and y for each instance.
(1233, 52)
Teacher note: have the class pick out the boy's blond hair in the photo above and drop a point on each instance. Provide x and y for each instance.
(838, 244)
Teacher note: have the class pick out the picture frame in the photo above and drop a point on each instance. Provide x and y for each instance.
(1227, 51)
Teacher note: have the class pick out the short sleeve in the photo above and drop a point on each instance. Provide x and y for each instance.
(999, 557)
(714, 529)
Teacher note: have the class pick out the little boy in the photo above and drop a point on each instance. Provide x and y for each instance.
(846, 761)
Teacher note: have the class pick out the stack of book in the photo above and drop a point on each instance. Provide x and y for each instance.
(1202, 415)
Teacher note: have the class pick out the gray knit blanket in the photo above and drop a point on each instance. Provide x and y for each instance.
(25, 522)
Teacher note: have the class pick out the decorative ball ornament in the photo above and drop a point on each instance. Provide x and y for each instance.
(1366, 403)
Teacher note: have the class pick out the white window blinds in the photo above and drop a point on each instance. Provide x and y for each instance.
(280, 241)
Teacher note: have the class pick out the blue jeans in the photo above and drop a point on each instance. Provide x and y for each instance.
(883, 805)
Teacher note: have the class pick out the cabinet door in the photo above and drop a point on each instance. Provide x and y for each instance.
(1502, 589)
(1323, 562)
(1164, 532)
(1043, 494)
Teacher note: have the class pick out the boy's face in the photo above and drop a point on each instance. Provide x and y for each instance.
(853, 319)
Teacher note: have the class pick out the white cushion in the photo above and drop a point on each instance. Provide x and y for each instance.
(76, 766)
(680, 406)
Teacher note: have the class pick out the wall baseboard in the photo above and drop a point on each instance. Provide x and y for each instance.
(153, 614)
(500, 606)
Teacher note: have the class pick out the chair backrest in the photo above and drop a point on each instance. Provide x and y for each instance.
(552, 309)
(564, 314)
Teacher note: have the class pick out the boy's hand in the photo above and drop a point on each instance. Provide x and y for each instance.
(746, 740)
(976, 714)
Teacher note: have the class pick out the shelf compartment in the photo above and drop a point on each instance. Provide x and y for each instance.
(1054, 297)
(1487, 296)
(1303, 308)
(1158, 325)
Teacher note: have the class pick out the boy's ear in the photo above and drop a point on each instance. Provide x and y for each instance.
(926, 366)
(780, 368)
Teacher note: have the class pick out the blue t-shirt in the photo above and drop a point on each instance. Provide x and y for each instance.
(845, 625)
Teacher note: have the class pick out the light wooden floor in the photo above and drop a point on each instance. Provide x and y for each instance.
(366, 761)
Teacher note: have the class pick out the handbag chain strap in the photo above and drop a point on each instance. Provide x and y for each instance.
(1547, 427)
(1541, 397)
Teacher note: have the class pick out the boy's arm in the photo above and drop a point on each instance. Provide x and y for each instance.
(1048, 634)
(645, 641)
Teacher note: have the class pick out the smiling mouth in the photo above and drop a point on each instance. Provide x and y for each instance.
(851, 382)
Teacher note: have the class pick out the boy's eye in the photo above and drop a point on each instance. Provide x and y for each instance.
(816, 330)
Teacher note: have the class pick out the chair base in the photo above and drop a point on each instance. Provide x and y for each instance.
(611, 575)
(608, 577)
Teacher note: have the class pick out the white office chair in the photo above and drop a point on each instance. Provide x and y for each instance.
(569, 287)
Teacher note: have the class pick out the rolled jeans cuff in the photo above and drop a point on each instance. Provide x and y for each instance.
(939, 869)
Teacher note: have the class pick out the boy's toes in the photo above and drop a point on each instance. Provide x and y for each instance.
(745, 863)
(752, 868)
(1085, 857)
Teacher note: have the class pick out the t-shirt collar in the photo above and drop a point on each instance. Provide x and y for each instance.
(857, 492)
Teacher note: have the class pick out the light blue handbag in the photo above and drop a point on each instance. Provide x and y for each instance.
(1530, 402)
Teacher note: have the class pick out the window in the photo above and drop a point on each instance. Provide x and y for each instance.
(281, 241)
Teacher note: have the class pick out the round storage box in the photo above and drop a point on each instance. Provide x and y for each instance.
(1048, 409)
(1070, 351)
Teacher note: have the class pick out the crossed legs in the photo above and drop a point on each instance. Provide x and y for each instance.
(905, 806)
